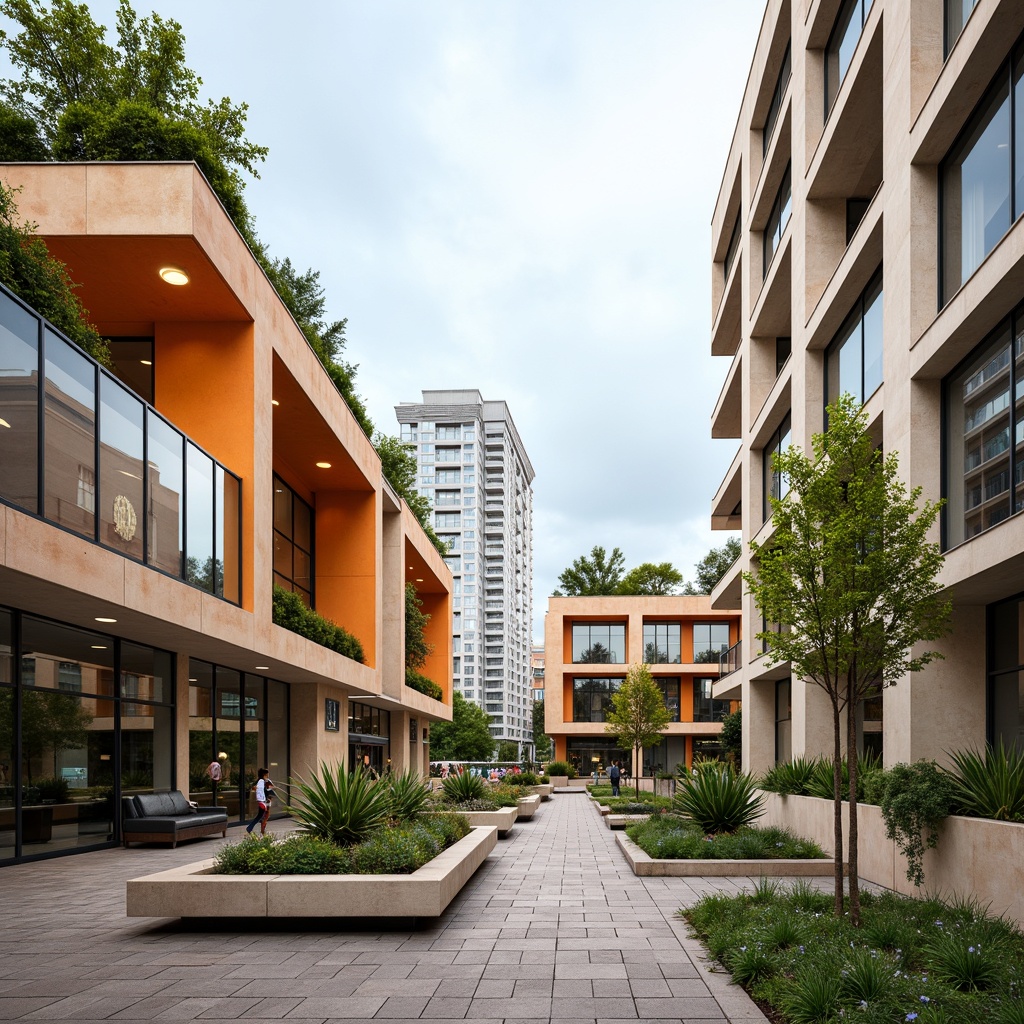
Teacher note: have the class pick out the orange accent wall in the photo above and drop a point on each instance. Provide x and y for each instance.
(561, 743)
(567, 698)
(438, 633)
(346, 564)
(204, 384)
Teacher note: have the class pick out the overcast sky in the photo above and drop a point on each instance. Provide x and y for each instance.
(513, 196)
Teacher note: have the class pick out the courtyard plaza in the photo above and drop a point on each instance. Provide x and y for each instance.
(553, 927)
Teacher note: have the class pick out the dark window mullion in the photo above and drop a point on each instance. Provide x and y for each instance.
(41, 422)
(16, 746)
(97, 426)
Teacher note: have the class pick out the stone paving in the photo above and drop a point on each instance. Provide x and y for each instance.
(554, 927)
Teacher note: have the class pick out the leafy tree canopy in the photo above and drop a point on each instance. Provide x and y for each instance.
(508, 750)
(398, 462)
(638, 715)
(713, 566)
(467, 737)
(649, 578)
(417, 650)
(541, 741)
(596, 575)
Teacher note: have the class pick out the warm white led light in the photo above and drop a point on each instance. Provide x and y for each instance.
(174, 275)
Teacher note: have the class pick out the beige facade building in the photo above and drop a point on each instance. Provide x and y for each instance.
(867, 239)
(589, 644)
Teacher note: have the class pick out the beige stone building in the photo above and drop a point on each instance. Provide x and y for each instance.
(867, 238)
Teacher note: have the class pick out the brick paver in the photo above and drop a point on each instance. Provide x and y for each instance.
(554, 927)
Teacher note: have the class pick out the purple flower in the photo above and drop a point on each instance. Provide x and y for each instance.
(911, 1016)
(925, 999)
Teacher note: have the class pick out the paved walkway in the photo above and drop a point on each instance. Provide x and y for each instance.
(554, 927)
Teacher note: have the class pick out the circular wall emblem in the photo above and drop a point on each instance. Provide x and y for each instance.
(125, 520)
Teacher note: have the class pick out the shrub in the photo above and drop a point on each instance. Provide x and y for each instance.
(812, 999)
(407, 795)
(561, 768)
(963, 961)
(718, 800)
(290, 613)
(340, 806)
(522, 779)
(56, 789)
(415, 681)
(915, 802)
(503, 796)
(463, 786)
(788, 778)
(989, 785)
(667, 837)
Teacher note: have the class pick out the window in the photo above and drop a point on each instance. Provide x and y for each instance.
(447, 476)
(982, 179)
(670, 694)
(661, 643)
(776, 105)
(705, 707)
(592, 698)
(447, 497)
(1005, 641)
(446, 520)
(734, 245)
(782, 208)
(775, 483)
(448, 432)
(598, 643)
(783, 350)
(783, 721)
(842, 45)
(853, 361)
(293, 542)
(447, 454)
(985, 434)
(855, 210)
(956, 14)
(710, 639)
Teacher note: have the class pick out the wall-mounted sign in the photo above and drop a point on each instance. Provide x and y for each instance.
(414, 730)
(331, 710)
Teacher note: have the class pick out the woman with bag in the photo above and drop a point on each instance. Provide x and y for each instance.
(264, 794)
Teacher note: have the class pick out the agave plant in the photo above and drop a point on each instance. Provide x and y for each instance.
(340, 806)
(990, 784)
(789, 778)
(407, 795)
(719, 801)
(462, 787)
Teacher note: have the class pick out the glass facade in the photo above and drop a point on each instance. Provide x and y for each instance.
(241, 722)
(592, 698)
(1005, 695)
(775, 483)
(369, 738)
(670, 693)
(842, 44)
(106, 466)
(783, 721)
(84, 719)
(778, 219)
(983, 403)
(710, 639)
(956, 14)
(982, 179)
(588, 754)
(776, 105)
(734, 245)
(598, 643)
(705, 707)
(293, 542)
(853, 361)
(662, 643)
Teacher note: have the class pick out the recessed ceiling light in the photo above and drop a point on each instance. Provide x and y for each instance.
(263, 666)
(146, 362)
(274, 401)
(192, 679)
(174, 275)
(419, 579)
(99, 647)
(103, 618)
(323, 465)
(4, 423)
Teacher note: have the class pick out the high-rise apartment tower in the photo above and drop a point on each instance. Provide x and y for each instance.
(473, 467)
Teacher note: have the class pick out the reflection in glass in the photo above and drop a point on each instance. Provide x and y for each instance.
(705, 707)
(164, 514)
(778, 219)
(670, 694)
(293, 542)
(229, 705)
(853, 361)
(661, 643)
(146, 673)
(229, 526)
(783, 721)
(1005, 642)
(60, 657)
(201, 750)
(842, 45)
(598, 643)
(776, 484)
(121, 468)
(592, 698)
(19, 398)
(277, 735)
(8, 768)
(957, 13)
(70, 431)
(199, 566)
(776, 105)
(710, 639)
(147, 748)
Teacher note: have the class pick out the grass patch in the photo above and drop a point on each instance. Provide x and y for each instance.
(630, 805)
(667, 837)
(922, 961)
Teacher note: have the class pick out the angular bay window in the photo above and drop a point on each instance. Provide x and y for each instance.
(293, 542)
(984, 413)
(778, 219)
(661, 643)
(598, 643)
(776, 105)
(982, 179)
(842, 44)
(853, 361)
(775, 483)
(592, 698)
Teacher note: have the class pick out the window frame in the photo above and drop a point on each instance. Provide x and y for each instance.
(311, 553)
(857, 312)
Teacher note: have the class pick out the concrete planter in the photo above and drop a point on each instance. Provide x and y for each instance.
(544, 790)
(192, 891)
(614, 821)
(559, 781)
(528, 806)
(975, 857)
(646, 866)
(502, 819)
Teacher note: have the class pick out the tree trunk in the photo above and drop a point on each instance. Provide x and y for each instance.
(851, 756)
(638, 753)
(837, 799)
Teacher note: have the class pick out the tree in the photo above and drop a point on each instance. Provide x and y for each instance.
(594, 576)
(850, 571)
(732, 738)
(541, 741)
(713, 566)
(52, 721)
(398, 463)
(417, 650)
(508, 750)
(637, 715)
(648, 578)
(467, 737)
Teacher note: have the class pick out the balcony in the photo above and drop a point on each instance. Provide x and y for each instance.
(731, 660)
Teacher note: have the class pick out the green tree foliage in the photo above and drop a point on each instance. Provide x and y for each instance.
(467, 737)
(398, 463)
(648, 578)
(19, 137)
(417, 650)
(850, 571)
(541, 741)
(41, 280)
(596, 575)
(52, 722)
(508, 750)
(637, 715)
(732, 738)
(289, 612)
(713, 566)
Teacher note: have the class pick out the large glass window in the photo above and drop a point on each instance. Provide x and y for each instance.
(782, 209)
(956, 14)
(776, 105)
(783, 721)
(19, 405)
(1006, 673)
(166, 475)
(982, 179)
(705, 707)
(710, 639)
(122, 468)
(661, 643)
(853, 362)
(734, 245)
(598, 643)
(984, 415)
(592, 698)
(775, 483)
(670, 693)
(842, 44)
(293, 542)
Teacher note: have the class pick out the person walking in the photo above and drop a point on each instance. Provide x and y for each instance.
(614, 777)
(263, 797)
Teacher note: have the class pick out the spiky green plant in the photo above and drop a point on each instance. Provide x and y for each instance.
(340, 806)
(866, 978)
(789, 778)
(718, 801)
(989, 784)
(812, 999)
(407, 795)
(463, 786)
